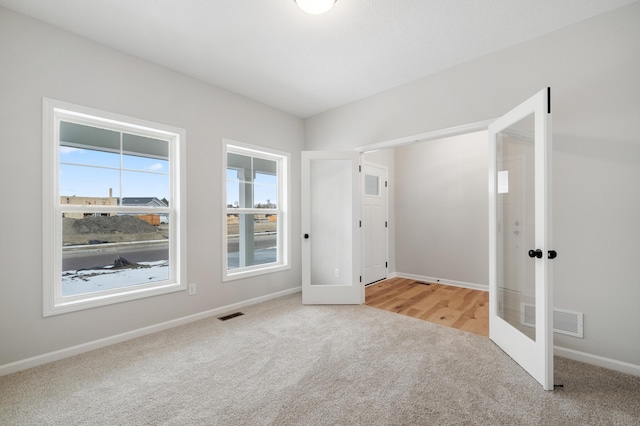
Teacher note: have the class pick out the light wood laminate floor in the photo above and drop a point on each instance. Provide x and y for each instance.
(456, 307)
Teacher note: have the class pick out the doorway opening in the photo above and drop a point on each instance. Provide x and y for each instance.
(438, 214)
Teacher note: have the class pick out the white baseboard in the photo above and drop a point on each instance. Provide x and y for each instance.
(101, 343)
(436, 280)
(600, 361)
(612, 364)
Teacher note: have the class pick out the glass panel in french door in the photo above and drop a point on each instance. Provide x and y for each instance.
(516, 225)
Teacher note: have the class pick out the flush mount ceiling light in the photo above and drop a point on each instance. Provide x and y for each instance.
(315, 7)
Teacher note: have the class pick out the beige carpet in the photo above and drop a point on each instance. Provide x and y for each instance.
(286, 364)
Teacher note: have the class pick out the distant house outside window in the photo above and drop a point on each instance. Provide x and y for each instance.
(113, 209)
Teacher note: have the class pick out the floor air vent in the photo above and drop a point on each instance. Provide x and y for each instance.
(422, 282)
(228, 317)
(564, 322)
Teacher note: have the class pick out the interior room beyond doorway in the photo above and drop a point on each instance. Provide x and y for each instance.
(438, 229)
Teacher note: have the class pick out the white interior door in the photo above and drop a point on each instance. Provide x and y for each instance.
(520, 235)
(331, 237)
(374, 223)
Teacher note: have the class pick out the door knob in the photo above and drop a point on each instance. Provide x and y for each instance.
(535, 253)
(552, 254)
(306, 236)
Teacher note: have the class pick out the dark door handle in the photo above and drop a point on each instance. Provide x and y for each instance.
(535, 253)
(306, 236)
(552, 254)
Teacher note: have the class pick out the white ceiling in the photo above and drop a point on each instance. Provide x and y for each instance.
(272, 52)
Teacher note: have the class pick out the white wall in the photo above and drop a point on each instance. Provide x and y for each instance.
(442, 209)
(40, 61)
(593, 69)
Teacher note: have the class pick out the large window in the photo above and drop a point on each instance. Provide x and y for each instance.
(112, 208)
(255, 225)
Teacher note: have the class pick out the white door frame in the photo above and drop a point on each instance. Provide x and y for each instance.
(428, 136)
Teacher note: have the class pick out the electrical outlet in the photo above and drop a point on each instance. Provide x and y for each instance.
(192, 289)
(337, 272)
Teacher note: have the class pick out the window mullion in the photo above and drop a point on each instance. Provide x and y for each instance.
(235, 210)
(70, 208)
(121, 165)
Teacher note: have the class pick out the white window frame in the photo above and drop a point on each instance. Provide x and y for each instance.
(53, 113)
(283, 261)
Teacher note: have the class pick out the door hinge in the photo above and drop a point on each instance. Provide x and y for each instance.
(386, 264)
(360, 278)
(360, 224)
(386, 224)
(385, 183)
(360, 168)
(548, 100)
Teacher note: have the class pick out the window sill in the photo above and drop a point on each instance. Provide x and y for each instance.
(247, 273)
(96, 300)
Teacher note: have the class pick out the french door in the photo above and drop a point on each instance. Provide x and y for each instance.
(520, 236)
(331, 237)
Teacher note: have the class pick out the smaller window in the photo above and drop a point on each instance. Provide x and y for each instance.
(255, 225)
(372, 185)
